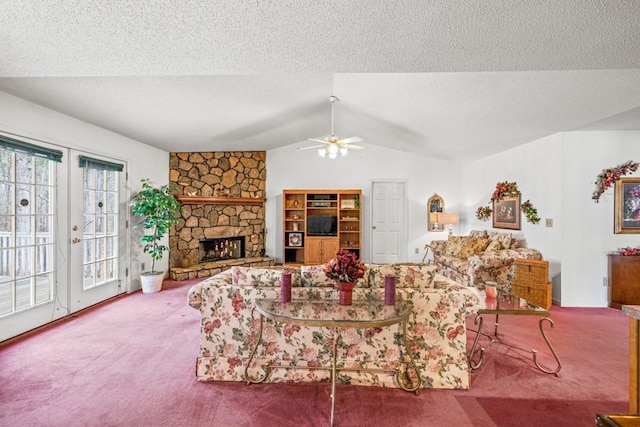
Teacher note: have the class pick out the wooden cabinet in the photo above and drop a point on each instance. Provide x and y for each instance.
(317, 223)
(624, 280)
(531, 281)
(319, 250)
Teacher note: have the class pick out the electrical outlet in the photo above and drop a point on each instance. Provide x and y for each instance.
(417, 250)
(549, 222)
(605, 281)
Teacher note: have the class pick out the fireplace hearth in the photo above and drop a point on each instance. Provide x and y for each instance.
(222, 248)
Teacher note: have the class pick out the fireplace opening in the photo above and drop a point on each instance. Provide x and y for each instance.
(221, 248)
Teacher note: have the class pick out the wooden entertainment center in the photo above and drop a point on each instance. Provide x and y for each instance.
(317, 223)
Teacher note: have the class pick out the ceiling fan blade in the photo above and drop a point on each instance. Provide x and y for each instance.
(309, 148)
(319, 140)
(355, 147)
(351, 139)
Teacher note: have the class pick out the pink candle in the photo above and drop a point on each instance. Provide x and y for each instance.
(389, 289)
(285, 287)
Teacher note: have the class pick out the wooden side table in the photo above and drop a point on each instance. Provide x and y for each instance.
(531, 281)
(624, 280)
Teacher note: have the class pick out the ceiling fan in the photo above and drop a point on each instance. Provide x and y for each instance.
(332, 145)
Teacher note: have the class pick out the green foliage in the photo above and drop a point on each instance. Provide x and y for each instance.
(160, 210)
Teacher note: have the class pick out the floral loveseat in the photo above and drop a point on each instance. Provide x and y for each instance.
(230, 325)
(480, 257)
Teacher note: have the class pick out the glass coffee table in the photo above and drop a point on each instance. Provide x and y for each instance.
(506, 304)
(329, 314)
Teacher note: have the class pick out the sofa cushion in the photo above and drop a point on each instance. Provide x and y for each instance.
(494, 245)
(314, 276)
(503, 238)
(471, 246)
(408, 275)
(478, 233)
(454, 244)
(266, 277)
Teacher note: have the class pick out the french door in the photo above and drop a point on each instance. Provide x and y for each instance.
(62, 233)
(97, 229)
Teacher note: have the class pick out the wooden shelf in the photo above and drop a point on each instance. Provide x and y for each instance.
(207, 200)
(318, 249)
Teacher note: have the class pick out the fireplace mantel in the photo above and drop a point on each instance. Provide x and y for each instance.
(208, 200)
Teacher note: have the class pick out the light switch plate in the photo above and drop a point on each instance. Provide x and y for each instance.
(548, 222)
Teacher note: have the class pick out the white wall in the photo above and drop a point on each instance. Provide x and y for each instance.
(558, 174)
(21, 117)
(289, 168)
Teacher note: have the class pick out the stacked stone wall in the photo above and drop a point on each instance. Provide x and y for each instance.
(233, 175)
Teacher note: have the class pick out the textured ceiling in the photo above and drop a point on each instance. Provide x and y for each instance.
(456, 79)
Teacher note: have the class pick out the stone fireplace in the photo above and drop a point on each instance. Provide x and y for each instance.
(222, 196)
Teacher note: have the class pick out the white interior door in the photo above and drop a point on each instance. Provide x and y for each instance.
(97, 229)
(388, 231)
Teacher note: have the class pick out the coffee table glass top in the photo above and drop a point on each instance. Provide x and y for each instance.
(506, 303)
(328, 313)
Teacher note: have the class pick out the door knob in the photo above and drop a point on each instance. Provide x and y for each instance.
(374, 227)
(75, 240)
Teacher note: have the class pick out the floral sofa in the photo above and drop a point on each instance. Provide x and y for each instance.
(230, 325)
(480, 257)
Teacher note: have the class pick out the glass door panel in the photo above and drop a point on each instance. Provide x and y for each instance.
(27, 239)
(97, 224)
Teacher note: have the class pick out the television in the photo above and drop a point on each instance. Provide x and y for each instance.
(322, 225)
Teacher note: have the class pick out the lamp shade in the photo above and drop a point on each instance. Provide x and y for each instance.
(447, 218)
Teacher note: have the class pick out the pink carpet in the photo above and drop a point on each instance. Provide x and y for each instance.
(131, 363)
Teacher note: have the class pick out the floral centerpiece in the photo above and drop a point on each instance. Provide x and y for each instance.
(345, 269)
(629, 251)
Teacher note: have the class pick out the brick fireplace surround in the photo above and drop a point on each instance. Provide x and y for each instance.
(222, 196)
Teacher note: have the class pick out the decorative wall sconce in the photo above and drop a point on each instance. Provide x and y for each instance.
(435, 205)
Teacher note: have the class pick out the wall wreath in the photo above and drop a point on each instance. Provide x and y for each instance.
(609, 176)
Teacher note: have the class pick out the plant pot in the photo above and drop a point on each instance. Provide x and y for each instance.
(151, 282)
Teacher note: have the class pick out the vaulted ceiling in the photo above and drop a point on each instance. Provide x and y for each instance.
(451, 79)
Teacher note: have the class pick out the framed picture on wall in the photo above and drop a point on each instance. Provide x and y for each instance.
(506, 213)
(626, 216)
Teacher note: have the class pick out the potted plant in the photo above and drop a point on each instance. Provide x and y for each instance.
(160, 210)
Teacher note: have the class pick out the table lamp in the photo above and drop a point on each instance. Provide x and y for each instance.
(448, 219)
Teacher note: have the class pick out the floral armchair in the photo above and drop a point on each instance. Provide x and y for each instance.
(229, 327)
(480, 257)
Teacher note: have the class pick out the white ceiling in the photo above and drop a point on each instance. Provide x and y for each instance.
(454, 79)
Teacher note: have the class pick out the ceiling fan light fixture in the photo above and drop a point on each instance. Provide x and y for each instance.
(331, 145)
